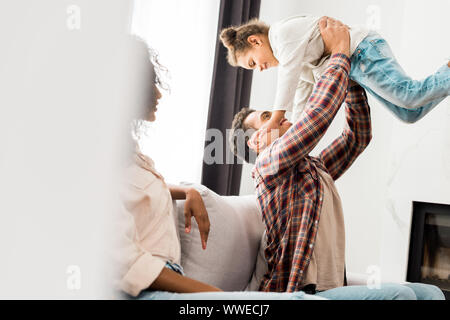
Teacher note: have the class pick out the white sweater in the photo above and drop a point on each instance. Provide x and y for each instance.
(298, 46)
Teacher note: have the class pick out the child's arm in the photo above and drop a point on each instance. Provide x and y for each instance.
(299, 41)
(304, 91)
(291, 39)
(276, 117)
(288, 79)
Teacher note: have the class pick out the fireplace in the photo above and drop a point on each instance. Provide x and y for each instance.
(429, 249)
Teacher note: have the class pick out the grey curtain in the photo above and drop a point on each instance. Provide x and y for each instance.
(230, 91)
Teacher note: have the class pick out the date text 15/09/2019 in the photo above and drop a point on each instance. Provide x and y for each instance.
(227, 309)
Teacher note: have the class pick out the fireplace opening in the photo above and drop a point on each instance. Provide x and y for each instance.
(429, 250)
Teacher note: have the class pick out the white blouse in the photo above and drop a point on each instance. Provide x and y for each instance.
(298, 46)
(149, 237)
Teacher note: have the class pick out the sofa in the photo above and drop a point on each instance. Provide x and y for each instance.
(234, 257)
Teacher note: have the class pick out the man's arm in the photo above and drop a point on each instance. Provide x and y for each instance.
(321, 107)
(343, 151)
(303, 136)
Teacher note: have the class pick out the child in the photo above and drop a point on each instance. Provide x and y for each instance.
(295, 45)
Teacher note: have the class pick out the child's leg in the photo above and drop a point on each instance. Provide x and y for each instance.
(406, 115)
(375, 68)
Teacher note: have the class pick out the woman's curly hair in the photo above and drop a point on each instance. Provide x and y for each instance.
(159, 76)
(161, 72)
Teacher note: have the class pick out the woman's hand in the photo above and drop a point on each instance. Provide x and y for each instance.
(195, 207)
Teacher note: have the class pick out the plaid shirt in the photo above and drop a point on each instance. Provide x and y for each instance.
(289, 191)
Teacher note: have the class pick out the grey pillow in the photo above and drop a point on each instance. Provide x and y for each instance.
(233, 243)
(261, 266)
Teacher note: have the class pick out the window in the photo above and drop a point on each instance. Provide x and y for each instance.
(184, 34)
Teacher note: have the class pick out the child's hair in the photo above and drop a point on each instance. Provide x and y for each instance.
(235, 38)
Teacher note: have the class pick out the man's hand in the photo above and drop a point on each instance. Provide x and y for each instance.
(335, 35)
(194, 206)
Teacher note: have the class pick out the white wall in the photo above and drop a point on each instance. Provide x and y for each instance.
(184, 34)
(397, 162)
(419, 155)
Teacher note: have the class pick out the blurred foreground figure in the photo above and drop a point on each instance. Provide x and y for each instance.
(69, 94)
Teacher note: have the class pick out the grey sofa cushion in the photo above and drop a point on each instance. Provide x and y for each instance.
(235, 235)
(260, 267)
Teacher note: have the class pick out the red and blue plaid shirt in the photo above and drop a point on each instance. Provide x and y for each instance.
(289, 190)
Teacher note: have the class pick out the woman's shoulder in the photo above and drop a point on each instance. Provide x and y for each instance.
(141, 173)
